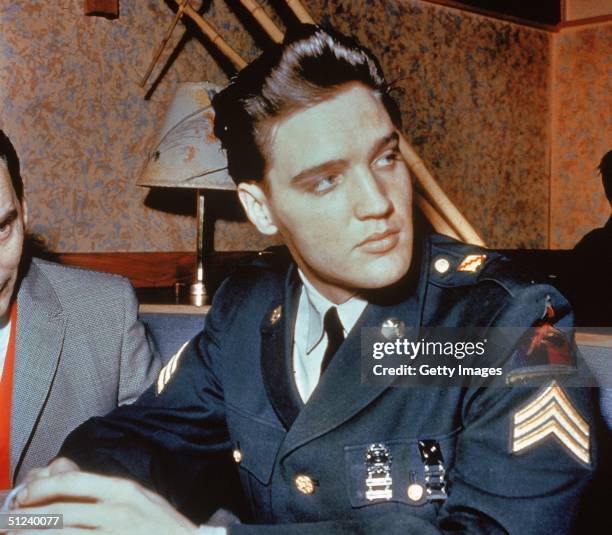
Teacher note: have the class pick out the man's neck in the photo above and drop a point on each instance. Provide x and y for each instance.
(335, 294)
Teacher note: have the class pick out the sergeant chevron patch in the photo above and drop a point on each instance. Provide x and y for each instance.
(551, 413)
(166, 372)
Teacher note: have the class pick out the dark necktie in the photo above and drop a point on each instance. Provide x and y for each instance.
(335, 336)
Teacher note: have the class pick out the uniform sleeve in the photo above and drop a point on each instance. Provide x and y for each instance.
(173, 439)
(522, 476)
(527, 454)
(140, 362)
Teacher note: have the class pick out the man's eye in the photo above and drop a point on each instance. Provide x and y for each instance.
(387, 160)
(325, 183)
(4, 228)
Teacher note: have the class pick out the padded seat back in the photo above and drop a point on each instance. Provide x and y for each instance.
(170, 331)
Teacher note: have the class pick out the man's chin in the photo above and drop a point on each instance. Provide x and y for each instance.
(380, 282)
(394, 284)
(385, 271)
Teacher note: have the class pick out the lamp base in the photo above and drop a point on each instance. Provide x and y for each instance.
(197, 294)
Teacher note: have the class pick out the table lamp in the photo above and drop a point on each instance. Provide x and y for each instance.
(186, 154)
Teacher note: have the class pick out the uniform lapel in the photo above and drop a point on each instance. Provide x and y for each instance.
(276, 351)
(40, 335)
(340, 394)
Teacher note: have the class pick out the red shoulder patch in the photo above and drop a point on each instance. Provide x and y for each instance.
(548, 345)
(541, 346)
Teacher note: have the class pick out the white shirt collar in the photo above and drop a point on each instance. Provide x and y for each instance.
(5, 333)
(316, 307)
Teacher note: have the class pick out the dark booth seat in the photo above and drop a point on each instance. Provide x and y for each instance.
(170, 331)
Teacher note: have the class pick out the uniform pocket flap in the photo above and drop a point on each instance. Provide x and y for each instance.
(256, 443)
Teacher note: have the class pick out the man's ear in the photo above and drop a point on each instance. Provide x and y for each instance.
(255, 204)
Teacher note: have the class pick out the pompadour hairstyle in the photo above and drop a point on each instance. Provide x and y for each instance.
(8, 155)
(310, 66)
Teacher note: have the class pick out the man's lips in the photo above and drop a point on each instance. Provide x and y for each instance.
(380, 242)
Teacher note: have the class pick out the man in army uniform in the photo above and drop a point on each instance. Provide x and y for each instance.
(273, 386)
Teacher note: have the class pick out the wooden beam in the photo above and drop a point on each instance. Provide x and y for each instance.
(162, 45)
(300, 11)
(264, 20)
(436, 195)
(437, 221)
(215, 38)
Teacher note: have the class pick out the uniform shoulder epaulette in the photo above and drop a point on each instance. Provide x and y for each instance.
(276, 257)
(262, 274)
(453, 263)
(272, 261)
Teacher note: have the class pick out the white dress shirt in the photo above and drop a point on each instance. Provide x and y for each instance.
(310, 340)
(5, 333)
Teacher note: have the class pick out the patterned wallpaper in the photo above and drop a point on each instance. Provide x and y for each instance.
(582, 132)
(474, 93)
(70, 101)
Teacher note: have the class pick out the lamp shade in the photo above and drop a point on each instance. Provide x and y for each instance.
(186, 153)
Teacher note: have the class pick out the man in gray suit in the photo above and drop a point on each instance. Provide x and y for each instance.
(70, 337)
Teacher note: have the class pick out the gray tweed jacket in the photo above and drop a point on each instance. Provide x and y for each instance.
(80, 352)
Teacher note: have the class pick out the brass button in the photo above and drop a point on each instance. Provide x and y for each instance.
(237, 455)
(441, 265)
(415, 492)
(393, 328)
(304, 484)
(276, 315)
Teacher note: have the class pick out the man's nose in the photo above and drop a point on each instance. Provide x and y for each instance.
(371, 199)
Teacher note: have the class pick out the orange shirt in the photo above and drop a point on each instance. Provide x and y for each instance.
(6, 395)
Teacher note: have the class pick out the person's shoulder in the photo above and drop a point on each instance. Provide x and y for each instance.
(74, 283)
(519, 309)
(457, 264)
(254, 284)
(265, 272)
(482, 286)
(595, 244)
